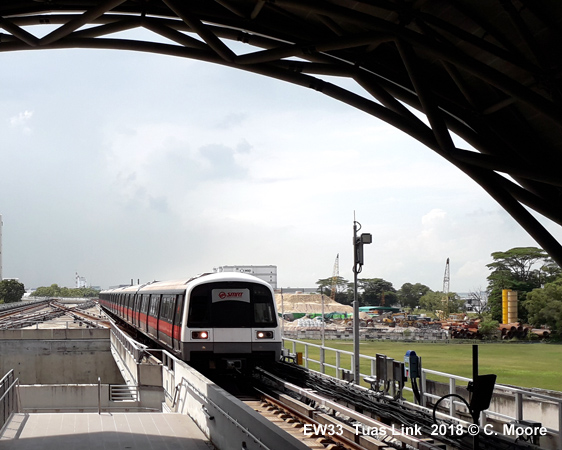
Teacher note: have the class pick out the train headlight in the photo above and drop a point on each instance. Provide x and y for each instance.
(264, 334)
(199, 335)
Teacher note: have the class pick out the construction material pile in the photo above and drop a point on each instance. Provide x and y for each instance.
(519, 331)
(309, 303)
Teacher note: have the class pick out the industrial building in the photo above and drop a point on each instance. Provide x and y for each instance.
(265, 273)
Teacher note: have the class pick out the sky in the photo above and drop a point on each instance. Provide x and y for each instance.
(119, 165)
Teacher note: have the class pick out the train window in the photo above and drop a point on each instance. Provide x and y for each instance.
(164, 307)
(199, 308)
(252, 306)
(264, 312)
(211, 309)
(154, 305)
(231, 313)
(264, 315)
(179, 308)
(167, 308)
(144, 306)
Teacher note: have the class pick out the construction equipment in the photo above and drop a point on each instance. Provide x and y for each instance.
(335, 276)
(445, 312)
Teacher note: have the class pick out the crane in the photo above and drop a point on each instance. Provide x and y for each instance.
(335, 276)
(446, 279)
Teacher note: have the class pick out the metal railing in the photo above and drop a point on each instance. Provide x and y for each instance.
(344, 364)
(123, 393)
(136, 349)
(8, 397)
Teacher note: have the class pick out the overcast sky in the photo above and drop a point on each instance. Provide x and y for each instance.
(121, 165)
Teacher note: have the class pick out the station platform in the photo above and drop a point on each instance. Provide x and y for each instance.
(92, 431)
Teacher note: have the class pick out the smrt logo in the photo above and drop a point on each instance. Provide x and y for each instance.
(223, 295)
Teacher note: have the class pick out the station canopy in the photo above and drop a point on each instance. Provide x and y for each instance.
(486, 71)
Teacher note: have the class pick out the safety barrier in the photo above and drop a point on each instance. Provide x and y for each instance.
(344, 364)
(136, 349)
(8, 397)
(121, 393)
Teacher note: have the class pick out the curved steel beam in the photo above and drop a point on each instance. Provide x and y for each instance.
(466, 73)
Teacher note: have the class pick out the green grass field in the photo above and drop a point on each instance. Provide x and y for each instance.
(526, 365)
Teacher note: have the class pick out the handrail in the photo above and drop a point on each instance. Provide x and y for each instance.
(99, 395)
(134, 348)
(9, 397)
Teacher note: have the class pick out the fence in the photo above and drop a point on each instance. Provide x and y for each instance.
(8, 397)
(344, 363)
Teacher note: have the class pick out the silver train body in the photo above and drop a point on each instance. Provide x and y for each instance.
(217, 320)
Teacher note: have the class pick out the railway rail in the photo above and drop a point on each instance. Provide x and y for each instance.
(317, 420)
(366, 418)
(33, 314)
(11, 309)
(327, 413)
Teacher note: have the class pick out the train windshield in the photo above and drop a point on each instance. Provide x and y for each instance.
(231, 305)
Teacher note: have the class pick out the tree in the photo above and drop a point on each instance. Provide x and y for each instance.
(521, 269)
(325, 287)
(47, 291)
(11, 291)
(545, 306)
(409, 294)
(488, 328)
(479, 301)
(374, 290)
(433, 301)
(54, 290)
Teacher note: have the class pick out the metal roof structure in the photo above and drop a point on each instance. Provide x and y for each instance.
(488, 71)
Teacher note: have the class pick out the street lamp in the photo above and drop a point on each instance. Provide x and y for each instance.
(358, 259)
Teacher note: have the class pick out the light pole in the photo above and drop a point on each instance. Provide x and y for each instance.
(358, 243)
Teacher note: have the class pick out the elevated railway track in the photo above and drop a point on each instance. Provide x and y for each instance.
(21, 316)
(325, 413)
(319, 411)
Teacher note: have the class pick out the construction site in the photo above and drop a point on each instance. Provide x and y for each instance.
(314, 315)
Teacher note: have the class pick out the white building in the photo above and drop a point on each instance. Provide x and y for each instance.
(80, 282)
(265, 273)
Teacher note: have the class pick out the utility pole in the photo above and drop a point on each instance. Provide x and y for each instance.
(358, 243)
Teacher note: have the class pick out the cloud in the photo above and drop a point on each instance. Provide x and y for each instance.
(231, 120)
(217, 166)
(21, 121)
(433, 218)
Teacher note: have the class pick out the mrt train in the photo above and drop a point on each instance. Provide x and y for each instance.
(219, 320)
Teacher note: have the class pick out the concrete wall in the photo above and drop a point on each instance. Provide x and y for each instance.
(147, 372)
(58, 356)
(81, 398)
(229, 423)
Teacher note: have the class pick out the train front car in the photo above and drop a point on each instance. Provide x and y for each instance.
(231, 322)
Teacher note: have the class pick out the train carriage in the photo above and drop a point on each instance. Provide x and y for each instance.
(225, 319)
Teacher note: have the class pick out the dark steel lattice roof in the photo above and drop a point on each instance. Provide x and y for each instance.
(486, 70)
